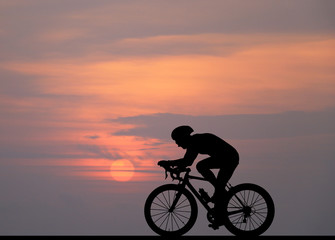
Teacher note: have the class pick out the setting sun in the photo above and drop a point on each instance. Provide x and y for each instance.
(122, 170)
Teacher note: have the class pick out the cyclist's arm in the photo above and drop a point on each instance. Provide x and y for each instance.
(187, 160)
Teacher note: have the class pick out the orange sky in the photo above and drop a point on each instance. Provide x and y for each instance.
(285, 72)
(90, 91)
(265, 74)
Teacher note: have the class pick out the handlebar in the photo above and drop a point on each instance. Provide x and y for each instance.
(175, 172)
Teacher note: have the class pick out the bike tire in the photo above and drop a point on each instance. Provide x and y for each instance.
(177, 222)
(260, 210)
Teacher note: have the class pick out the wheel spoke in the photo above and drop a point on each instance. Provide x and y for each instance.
(157, 214)
(167, 215)
(181, 215)
(161, 217)
(175, 220)
(181, 202)
(166, 201)
(164, 204)
(159, 205)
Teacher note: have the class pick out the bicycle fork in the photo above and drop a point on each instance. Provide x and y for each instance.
(177, 196)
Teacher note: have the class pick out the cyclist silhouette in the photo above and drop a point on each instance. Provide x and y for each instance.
(222, 156)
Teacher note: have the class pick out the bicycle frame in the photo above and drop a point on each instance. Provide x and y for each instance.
(185, 182)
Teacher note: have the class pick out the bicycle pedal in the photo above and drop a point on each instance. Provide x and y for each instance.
(214, 226)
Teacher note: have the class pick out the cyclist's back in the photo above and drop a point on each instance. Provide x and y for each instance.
(210, 144)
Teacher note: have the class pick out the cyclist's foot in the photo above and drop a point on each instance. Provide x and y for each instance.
(216, 225)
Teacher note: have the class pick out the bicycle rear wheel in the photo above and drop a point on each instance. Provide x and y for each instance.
(250, 210)
(166, 221)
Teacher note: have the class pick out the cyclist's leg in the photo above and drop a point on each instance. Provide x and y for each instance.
(204, 168)
(224, 174)
(227, 168)
(226, 171)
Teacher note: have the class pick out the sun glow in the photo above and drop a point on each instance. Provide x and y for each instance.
(122, 170)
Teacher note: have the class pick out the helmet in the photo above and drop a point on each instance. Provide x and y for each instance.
(181, 131)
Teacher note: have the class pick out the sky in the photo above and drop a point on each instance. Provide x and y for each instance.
(91, 90)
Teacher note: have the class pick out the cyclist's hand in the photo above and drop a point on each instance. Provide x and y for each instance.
(180, 168)
(164, 163)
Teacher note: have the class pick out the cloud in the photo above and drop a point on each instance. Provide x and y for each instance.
(18, 85)
(80, 28)
(100, 152)
(255, 75)
(92, 136)
(215, 44)
(63, 35)
(243, 126)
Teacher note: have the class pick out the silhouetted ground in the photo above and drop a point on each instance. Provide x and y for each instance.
(219, 237)
(183, 237)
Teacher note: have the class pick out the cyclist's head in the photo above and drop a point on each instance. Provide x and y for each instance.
(181, 132)
(181, 136)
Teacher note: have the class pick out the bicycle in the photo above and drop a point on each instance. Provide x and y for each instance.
(171, 209)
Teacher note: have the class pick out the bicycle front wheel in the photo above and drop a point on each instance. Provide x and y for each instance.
(166, 221)
(250, 210)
